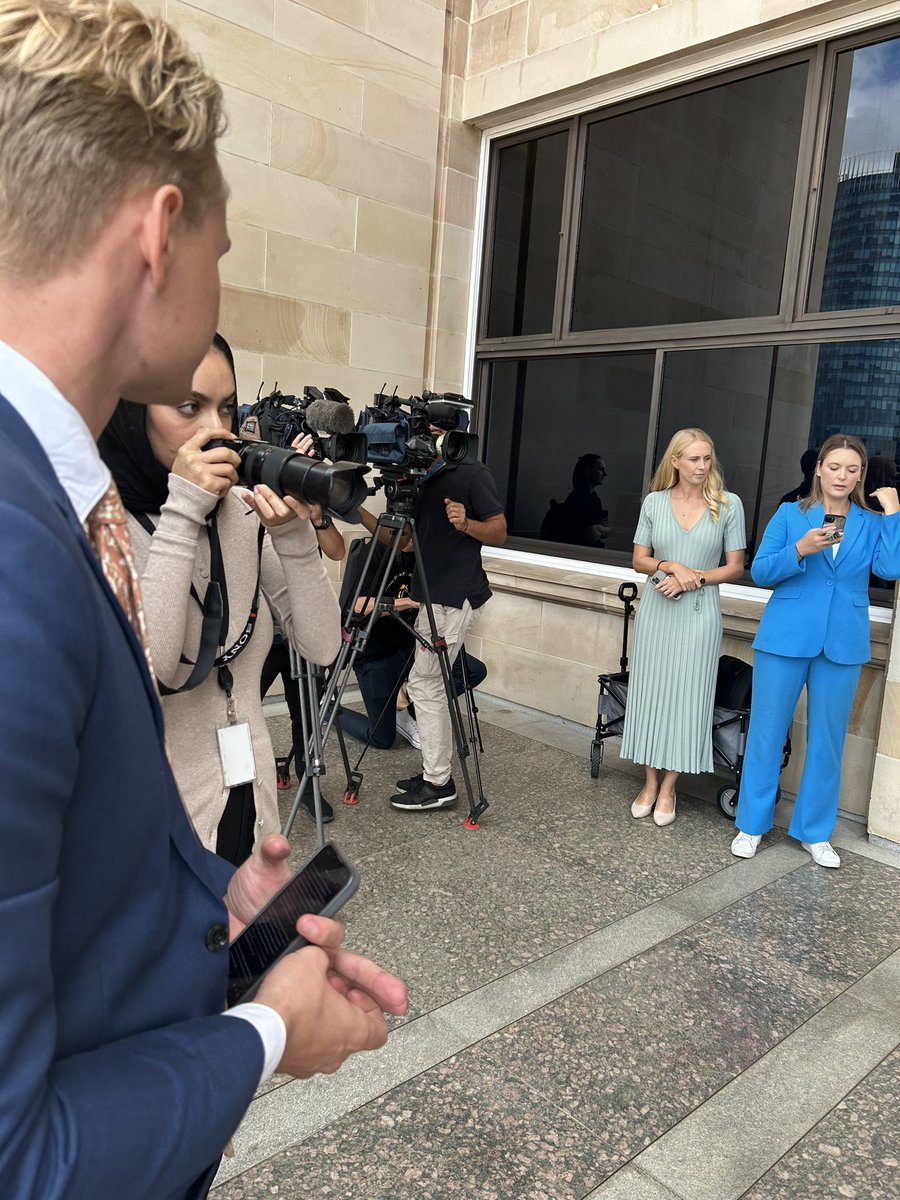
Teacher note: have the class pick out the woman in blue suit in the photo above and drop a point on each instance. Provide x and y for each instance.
(814, 631)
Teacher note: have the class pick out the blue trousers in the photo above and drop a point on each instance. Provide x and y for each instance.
(777, 684)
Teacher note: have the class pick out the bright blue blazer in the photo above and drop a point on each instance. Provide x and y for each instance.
(116, 1080)
(821, 605)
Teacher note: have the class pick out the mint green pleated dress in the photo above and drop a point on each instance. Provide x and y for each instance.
(676, 644)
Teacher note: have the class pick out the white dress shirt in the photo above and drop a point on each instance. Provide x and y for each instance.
(84, 476)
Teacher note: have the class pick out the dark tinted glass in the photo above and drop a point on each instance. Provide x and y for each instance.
(566, 439)
(528, 181)
(765, 407)
(857, 254)
(726, 394)
(686, 206)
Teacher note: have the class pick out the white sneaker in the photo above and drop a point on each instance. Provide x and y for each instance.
(822, 853)
(744, 845)
(407, 728)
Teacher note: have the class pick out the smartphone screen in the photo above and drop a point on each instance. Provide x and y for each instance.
(321, 886)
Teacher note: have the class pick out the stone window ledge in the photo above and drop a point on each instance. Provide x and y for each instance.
(568, 583)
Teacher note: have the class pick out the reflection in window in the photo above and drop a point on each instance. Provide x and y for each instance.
(687, 203)
(857, 254)
(565, 440)
(764, 407)
(726, 394)
(530, 177)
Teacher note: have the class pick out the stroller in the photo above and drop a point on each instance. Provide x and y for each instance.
(731, 713)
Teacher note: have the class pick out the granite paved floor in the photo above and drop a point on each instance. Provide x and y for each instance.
(598, 1007)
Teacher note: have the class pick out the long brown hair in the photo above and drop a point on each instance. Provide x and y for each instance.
(839, 441)
(666, 476)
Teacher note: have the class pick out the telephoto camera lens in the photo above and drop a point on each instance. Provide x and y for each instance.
(338, 487)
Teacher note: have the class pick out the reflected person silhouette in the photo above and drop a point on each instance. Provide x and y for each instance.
(581, 519)
(808, 460)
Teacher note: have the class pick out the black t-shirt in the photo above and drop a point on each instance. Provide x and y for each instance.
(452, 560)
(386, 635)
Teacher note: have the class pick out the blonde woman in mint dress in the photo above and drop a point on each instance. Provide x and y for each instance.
(688, 522)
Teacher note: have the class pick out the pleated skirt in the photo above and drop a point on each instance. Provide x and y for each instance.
(668, 717)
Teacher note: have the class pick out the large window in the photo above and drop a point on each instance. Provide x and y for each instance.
(725, 256)
(686, 206)
(565, 440)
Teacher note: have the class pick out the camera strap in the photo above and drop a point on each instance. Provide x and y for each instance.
(214, 606)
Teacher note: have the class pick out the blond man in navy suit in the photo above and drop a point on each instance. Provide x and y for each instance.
(814, 632)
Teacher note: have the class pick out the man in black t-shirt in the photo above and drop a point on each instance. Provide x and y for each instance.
(457, 511)
(382, 666)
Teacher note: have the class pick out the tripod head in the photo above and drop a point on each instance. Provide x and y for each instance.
(401, 489)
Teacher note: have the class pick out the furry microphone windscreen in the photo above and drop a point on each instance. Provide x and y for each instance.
(330, 416)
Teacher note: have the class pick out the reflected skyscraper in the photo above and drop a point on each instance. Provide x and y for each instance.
(858, 384)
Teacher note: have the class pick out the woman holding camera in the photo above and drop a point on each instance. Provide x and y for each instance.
(207, 553)
(687, 523)
(817, 556)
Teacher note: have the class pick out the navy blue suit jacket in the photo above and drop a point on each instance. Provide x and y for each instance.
(821, 605)
(117, 1078)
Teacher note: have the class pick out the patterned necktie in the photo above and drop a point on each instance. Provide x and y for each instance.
(107, 531)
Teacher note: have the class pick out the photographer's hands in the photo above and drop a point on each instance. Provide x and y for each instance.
(214, 471)
(274, 510)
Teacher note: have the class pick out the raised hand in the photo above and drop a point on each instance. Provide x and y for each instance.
(215, 470)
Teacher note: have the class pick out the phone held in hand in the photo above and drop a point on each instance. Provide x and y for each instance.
(322, 886)
(659, 577)
(836, 521)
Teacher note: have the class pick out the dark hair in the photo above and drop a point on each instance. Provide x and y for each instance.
(219, 343)
(583, 470)
(143, 482)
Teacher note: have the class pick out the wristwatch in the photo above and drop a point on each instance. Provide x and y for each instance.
(326, 522)
(703, 581)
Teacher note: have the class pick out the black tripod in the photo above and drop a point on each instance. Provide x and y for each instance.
(310, 680)
(399, 525)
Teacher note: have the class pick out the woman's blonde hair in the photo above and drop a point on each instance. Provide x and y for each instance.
(666, 475)
(97, 100)
(839, 441)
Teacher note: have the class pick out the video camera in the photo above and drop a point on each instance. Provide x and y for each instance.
(280, 419)
(399, 432)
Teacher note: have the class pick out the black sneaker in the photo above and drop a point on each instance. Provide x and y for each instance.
(425, 796)
(410, 785)
(310, 806)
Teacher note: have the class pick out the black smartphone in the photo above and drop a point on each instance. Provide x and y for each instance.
(321, 886)
(837, 520)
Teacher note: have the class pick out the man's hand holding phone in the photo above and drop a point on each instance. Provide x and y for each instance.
(332, 1002)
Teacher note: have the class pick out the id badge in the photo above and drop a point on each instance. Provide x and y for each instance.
(236, 754)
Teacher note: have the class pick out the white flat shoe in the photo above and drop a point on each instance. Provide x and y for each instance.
(822, 853)
(744, 845)
(641, 810)
(663, 818)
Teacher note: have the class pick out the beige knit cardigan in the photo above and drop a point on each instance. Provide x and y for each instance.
(297, 591)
